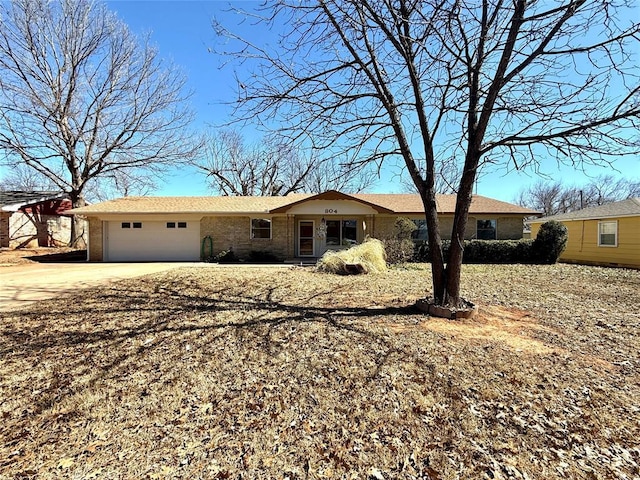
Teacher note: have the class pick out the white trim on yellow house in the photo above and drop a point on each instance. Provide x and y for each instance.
(601, 224)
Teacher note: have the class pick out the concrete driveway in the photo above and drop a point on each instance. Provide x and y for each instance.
(23, 284)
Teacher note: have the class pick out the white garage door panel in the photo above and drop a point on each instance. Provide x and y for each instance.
(153, 242)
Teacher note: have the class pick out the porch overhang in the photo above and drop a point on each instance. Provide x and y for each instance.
(332, 195)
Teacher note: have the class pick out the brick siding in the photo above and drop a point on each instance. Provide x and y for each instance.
(509, 228)
(95, 240)
(234, 233)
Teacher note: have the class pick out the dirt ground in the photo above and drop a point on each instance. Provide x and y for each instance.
(287, 373)
(27, 276)
(21, 256)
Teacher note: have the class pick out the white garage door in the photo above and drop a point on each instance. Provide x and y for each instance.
(140, 241)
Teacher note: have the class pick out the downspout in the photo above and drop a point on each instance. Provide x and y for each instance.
(88, 239)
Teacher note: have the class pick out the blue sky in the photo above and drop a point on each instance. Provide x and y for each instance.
(183, 33)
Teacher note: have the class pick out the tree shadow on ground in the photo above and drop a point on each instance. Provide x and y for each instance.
(111, 332)
(60, 257)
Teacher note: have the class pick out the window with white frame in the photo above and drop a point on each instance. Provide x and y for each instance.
(486, 229)
(608, 234)
(261, 228)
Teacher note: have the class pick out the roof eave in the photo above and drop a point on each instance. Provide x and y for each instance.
(331, 195)
(32, 201)
(577, 219)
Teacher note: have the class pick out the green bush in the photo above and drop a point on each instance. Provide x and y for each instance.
(259, 256)
(399, 247)
(485, 251)
(550, 242)
(403, 228)
(421, 253)
(226, 256)
(524, 251)
(497, 251)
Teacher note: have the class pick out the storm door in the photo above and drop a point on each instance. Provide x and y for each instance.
(306, 240)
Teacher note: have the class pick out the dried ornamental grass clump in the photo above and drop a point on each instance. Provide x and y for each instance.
(368, 257)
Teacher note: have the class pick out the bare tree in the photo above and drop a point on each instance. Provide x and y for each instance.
(446, 178)
(121, 183)
(24, 178)
(607, 189)
(271, 168)
(331, 174)
(552, 198)
(549, 198)
(487, 82)
(82, 98)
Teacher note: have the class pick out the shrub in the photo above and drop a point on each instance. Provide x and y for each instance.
(370, 255)
(259, 256)
(399, 247)
(398, 251)
(226, 256)
(486, 251)
(550, 242)
(422, 251)
(403, 228)
(523, 251)
(546, 248)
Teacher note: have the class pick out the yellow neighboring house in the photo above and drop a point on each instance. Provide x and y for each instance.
(604, 235)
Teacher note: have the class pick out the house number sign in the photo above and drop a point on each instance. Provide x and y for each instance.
(330, 210)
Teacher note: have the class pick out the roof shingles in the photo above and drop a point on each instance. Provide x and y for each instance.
(624, 208)
(398, 203)
(18, 198)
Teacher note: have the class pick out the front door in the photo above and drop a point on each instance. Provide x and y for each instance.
(306, 241)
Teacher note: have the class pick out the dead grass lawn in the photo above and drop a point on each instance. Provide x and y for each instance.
(270, 374)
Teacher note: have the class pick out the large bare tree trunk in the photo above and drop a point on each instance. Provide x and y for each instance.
(461, 85)
(452, 296)
(77, 231)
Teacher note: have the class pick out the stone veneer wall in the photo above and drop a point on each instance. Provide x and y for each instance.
(95, 240)
(234, 233)
(509, 228)
(383, 226)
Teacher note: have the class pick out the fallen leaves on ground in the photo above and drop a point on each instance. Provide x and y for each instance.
(257, 373)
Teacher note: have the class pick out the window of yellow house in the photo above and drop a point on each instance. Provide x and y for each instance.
(608, 234)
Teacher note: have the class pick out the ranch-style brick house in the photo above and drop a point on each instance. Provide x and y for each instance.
(301, 226)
